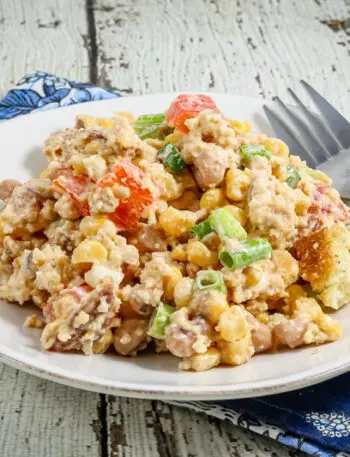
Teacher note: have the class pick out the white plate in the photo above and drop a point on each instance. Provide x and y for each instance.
(148, 376)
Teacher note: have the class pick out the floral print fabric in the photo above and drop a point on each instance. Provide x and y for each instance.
(42, 91)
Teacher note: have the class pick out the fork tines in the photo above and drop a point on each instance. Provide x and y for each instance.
(308, 135)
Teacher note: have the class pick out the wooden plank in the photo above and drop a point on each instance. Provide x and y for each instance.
(48, 35)
(248, 48)
(43, 418)
(155, 429)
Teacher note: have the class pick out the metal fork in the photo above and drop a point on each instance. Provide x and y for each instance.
(323, 141)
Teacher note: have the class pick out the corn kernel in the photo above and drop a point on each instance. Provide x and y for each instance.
(263, 317)
(93, 147)
(237, 183)
(208, 303)
(331, 327)
(212, 198)
(239, 213)
(233, 324)
(216, 308)
(33, 321)
(277, 147)
(95, 166)
(253, 276)
(241, 127)
(177, 222)
(183, 292)
(302, 202)
(155, 143)
(172, 188)
(100, 346)
(170, 282)
(333, 194)
(90, 225)
(89, 251)
(173, 138)
(279, 170)
(200, 255)
(179, 253)
(77, 164)
(236, 352)
(186, 201)
(295, 291)
(187, 179)
(202, 362)
(309, 308)
(286, 265)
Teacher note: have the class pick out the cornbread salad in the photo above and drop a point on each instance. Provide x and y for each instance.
(181, 231)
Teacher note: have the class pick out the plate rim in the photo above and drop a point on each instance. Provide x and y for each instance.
(269, 387)
(168, 392)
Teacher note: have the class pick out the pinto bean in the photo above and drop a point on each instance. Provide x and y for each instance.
(140, 307)
(291, 333)
(126, 311)
(210, 166)
(179, 342)
(261, 334)
(131, 334)
(149, 239)
(181, 338)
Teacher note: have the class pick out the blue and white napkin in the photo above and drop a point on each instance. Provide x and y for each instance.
(315, 420)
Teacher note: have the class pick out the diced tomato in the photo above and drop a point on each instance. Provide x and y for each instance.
(185, 107)
(75, 186)
(128, 212)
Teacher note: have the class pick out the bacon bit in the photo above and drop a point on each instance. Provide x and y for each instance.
(77, 293)
(323, 208)
(275, 304)
(81, 291)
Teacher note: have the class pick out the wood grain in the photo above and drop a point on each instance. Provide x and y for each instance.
(155, 429)
(250, 48)
(48, 35)
(41, 418)
(256, 48)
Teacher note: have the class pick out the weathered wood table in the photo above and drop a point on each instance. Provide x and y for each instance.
(247, 47)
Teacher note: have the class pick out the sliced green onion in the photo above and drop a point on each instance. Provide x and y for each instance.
(293, 177)
(202, 229)
(252, 250)
(171, 157)
(226, 225)
(210, 280)
(248, 151)
(159, 321)
(149, 126)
